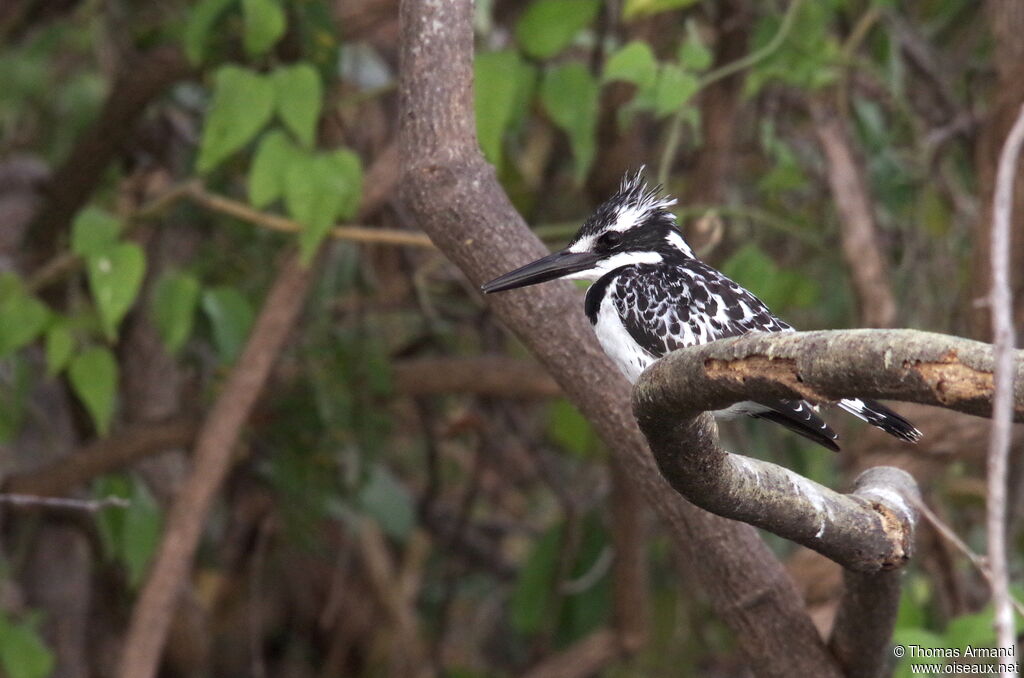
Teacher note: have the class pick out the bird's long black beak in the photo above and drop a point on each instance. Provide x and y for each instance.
(549, 268)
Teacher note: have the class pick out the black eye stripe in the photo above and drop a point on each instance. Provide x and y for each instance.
(610, 239)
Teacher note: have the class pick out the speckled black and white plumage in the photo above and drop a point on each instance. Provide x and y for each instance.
(651, 295)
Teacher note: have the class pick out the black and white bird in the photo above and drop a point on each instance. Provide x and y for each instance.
(652, 295)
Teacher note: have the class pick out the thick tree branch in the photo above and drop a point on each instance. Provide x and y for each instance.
(453, 194)
(866, 531)
(908, 365)
(865, 621)
(103, 456)
(483, 375)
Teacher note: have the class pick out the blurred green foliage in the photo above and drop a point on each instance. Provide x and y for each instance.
(334, 441)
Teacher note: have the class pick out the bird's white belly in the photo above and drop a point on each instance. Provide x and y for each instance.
(627, 355)
(632, 360)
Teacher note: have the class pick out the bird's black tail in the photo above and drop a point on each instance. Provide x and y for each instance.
(879, 415)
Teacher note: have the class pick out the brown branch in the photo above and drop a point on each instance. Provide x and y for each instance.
(103, 456)
(585, 657)
(671, 397)
(909, 365)
(868, 531)
(73, 182)
(858, 230)
(631, 597)
(865, 621)
(216, 439)
(453, 194)
(360, 234)
(482, 375)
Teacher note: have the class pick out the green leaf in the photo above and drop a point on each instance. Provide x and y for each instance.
(269, 165)
(777, 288)
(23, 654)
(131, 534)
(528, 607)
(142, 527)
(115, 276)
(299, 95)
(22, 317)
(499, 78)
(693, 54)
(93, 375)
(310, 202)
(174, 307)
(18, 383)
(675, 87)
(633, 62)
(388, 501)
(570, 428)
(343, 171)
(59, 345)
(547, 26)
(569, 94)
(243, 102)
(200, 21)
(320, 189)
(231, 317)
(264, 25)
(638, 8)
(93, 230)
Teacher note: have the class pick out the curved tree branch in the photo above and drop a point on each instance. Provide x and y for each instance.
(866, 531)
(908, 365)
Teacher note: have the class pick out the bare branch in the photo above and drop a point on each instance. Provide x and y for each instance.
(87, 505)
(908, 365)
(102, 456)
(865, 622)
(947, 533)
(868, 531)
(483, 375)
(1001, 299)
(585, 657)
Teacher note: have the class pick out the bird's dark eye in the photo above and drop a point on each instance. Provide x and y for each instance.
(610, 239)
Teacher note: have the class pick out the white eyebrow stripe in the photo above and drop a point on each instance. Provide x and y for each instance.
(584, 244)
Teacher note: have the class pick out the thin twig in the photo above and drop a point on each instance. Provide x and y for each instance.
(360, 234)
(1002, 405)
(89, 505)
(63, 264)
(979, 561)
(675, 127)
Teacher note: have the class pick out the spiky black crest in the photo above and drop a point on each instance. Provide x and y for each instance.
(634, 204)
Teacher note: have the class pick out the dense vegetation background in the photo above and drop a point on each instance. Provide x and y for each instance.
(409, 494)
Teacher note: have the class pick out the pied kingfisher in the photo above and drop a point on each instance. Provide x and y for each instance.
(651, 295)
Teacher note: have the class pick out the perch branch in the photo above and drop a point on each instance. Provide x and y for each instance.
(867, 531)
